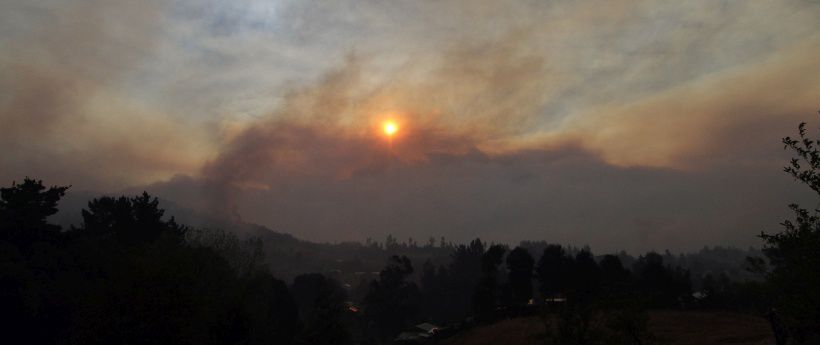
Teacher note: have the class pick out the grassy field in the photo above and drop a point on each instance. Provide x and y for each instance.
(668, 327)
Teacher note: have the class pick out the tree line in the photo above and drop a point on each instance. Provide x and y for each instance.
(127, 276)
(600, 301)
(481, 281)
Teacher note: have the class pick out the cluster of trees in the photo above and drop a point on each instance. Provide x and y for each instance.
(474, 283)
(481, 281)
(791, 272)
(127, 275)
(392, 243)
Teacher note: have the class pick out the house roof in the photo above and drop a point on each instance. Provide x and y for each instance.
(427, 327)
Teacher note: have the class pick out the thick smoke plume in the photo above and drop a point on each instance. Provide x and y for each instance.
(319, 166)
(625, 124)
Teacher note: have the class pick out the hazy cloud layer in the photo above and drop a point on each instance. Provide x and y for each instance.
(622, 124)
(66, 114)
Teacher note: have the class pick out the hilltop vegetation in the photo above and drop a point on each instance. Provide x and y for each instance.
(667, 327)
(128, 267)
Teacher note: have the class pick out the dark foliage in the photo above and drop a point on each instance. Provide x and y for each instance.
(615, 279)
(392, 302)
(553, 271)
(663, 287)
(24, 209)
(794, 253)
(129, 275)
(130, 221)
(322, 309)
(126, 276)
(487, 295)
(520, 267)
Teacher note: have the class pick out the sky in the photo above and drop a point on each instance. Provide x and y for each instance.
(633, 125)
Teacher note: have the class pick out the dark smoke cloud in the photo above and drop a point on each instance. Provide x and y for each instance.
(325, 177)
(473, 94)
(564, 195)
(622, 124)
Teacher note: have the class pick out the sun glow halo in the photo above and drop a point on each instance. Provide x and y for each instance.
(390, 128)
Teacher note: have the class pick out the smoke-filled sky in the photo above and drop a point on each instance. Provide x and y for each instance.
(630, 125)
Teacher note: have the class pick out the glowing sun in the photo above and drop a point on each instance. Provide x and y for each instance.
(390, 128)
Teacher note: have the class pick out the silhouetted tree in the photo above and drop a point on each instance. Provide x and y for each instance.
(486, 294)
(520, 266)
(391, 243)
(615, 279)
(24, 209)
(435, 283)
(584, 276)
(578, 312)
(463, 275)
(30, 258)
(392, 302)
(268, 312)
(132, 220)
(553, 269)
(664, 287)
(794, 253)
(322, 309)
(127, 276)
(429, 279)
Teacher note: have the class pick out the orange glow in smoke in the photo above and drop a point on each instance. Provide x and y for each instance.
(390, 128)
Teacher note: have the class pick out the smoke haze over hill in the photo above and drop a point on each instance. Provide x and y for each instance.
(622, 124)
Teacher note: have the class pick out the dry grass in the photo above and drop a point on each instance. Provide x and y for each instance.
(706, 328)
(524, 331)
(668, 327)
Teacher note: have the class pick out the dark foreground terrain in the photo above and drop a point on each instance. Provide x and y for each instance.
(667, 327)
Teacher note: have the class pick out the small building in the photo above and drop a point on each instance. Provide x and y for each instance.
(699, 295)
(557, 299)
(352, 307)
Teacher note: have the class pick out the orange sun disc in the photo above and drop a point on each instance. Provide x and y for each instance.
(390, 128)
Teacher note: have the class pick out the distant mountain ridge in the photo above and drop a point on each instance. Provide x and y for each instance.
(356, 263)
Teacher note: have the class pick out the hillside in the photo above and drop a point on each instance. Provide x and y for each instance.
(668, 327)
(355, 263)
